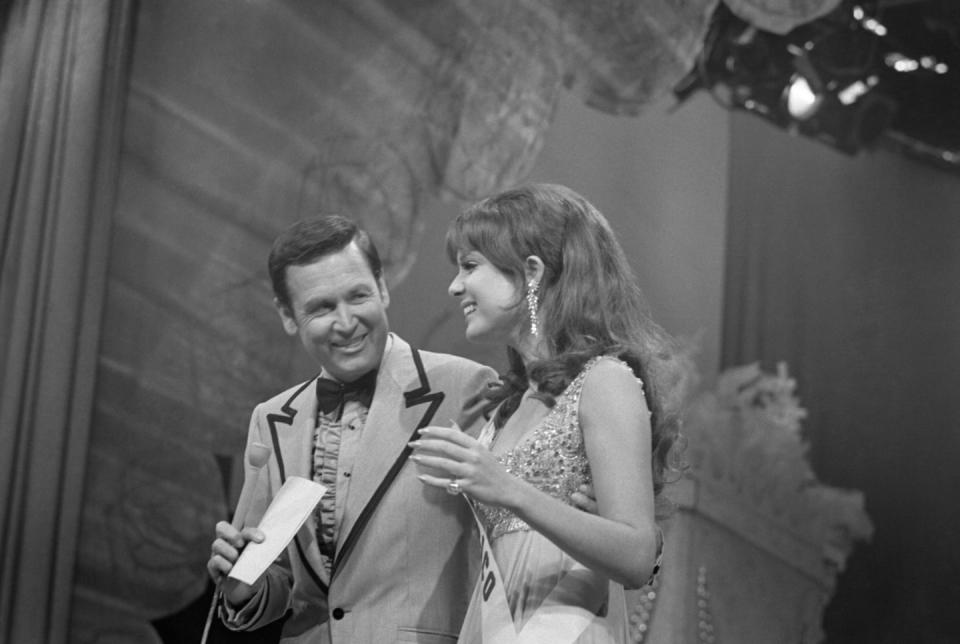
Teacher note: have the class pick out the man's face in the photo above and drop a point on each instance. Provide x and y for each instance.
(339, 311)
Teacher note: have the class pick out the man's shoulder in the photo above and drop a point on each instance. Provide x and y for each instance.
(288, 396)
(443, 362)
(448, 360)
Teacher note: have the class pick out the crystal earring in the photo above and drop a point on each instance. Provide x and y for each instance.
(533, 303)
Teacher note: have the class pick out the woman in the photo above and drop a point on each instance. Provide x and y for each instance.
(591, 397)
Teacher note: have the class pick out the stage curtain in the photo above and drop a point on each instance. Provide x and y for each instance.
(846, 269)
(61, 68)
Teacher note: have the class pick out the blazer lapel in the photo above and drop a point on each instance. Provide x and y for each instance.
(393, 416)
(291, 432)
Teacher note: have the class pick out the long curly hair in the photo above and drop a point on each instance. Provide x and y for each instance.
(590, 303)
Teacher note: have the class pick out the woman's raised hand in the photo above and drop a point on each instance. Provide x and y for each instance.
(457, 462)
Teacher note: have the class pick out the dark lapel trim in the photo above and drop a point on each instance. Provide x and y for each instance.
(286, 418)
(418, 396)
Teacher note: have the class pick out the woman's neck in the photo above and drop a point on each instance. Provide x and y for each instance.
(531, 348)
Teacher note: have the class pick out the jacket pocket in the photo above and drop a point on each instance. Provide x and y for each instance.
(419, 636)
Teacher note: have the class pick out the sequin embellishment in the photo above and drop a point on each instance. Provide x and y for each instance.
(552, 458)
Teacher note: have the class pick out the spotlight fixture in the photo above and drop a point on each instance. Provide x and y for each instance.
(803, 98)
(885, 71)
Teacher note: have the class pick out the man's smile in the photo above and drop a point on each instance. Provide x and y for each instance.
(350, 345)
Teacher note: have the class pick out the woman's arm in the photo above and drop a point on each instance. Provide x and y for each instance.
(619, 542)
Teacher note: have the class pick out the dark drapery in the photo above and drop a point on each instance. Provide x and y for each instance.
(61, 70)
(847, 269)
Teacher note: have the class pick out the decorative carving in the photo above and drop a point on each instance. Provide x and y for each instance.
(643, 612)
(780, 16)
(370, 180)
(705, 629)
(751, 510)
(745, 441)
(501, 82)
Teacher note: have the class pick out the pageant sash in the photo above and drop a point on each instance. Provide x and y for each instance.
(556, 624)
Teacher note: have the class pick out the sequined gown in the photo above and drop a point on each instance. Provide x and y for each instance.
(551, 456)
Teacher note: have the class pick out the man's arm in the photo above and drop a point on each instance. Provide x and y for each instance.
(244, 606)
(472, 389)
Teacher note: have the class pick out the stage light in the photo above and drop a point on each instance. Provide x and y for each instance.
(802, 101)
(868, 73)
(816, 81)
(855, 90)
(850, 128)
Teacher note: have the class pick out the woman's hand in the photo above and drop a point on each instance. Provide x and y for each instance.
(453, 456)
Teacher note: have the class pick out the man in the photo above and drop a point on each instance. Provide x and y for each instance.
(383, 558)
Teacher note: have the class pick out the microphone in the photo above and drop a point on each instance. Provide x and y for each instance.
(257, 456)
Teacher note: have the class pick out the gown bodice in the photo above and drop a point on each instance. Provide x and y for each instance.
(551, 456)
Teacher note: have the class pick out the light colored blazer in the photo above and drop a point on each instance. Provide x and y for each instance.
(408, 573)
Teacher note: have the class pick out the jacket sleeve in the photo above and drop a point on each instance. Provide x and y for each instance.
(472, 387)
(275, 587)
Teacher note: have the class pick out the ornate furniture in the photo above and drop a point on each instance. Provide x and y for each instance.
(755, 544)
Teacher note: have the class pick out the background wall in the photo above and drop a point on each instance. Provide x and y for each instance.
(844, 267)
(847, 268)
(240, 122)
(661, 180)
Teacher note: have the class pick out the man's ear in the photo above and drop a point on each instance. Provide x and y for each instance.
(533, 269)
(384, 293)
(286, 317)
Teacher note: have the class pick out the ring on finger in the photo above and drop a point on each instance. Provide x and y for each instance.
(453, 487)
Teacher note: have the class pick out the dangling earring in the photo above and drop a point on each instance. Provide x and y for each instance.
(533, 303)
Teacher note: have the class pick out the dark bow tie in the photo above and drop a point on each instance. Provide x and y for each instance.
(331, 395)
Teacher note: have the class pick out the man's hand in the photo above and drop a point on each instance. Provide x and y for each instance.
(225, 550)
(584, 499)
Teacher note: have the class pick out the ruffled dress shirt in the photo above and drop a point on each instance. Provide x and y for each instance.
(335, 448)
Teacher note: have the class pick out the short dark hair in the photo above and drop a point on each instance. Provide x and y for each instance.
(310, 239)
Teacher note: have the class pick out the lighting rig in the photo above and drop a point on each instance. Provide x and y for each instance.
(866, 73)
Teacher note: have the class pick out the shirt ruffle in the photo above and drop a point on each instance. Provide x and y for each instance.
(326, 455)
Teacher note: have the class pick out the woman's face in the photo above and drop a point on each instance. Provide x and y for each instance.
(489, 299)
